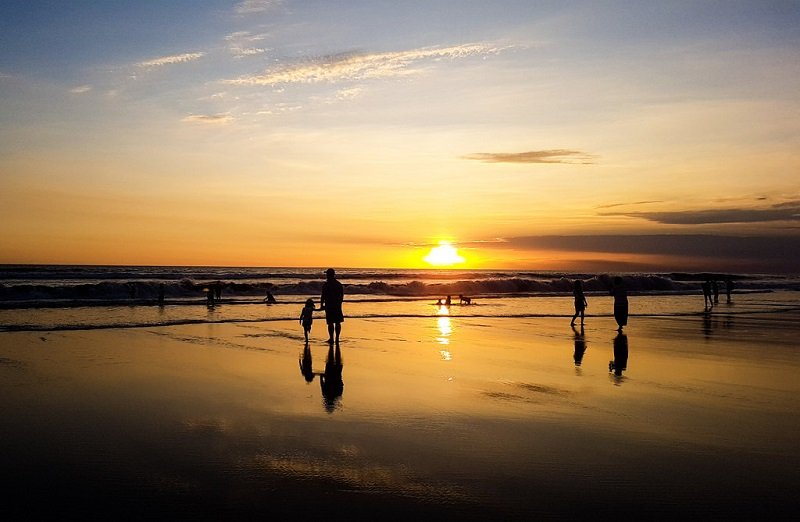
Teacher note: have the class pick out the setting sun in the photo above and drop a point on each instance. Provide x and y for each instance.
(443, 255)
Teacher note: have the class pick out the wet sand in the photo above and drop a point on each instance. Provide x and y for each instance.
(458, 418)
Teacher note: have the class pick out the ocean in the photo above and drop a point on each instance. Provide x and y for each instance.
(60, 297)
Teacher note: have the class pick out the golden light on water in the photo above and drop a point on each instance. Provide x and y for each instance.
(444, 255)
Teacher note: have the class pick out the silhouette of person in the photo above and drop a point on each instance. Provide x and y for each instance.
(715, 289)
(439, 302)
(728, 287)
(447, 301)
(306, 367)
(218, 290)
(580, 346)
(210, 296)
(331, 301)
(270, 299)
(330, 382)
(620, 362)
(580, 301)
(707, 301)
(620, 302)
(161, 293)
(307, 317)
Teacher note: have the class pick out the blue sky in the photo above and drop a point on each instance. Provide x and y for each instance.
(396, 125)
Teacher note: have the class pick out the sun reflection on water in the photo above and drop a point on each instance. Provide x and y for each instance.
(445, 329)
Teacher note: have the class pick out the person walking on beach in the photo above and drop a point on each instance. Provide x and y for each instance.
(620, 302)
(728, 287)
(580, 301)
(307, 317)
(715, 289)
(331, 301)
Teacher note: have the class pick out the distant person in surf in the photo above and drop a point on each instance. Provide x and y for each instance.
(708, 302)
(728, 287)
(715, 289)
(580, 301)
(620, 302)
(270, 299)
(331, 302)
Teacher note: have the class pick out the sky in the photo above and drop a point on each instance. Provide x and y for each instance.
(548, 135)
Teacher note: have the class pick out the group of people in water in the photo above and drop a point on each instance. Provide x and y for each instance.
(711, 291)
(447, 301)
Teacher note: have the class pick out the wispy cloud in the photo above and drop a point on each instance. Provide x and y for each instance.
(255, 6)
(572, 157)
(613, 205)
(243, 43)
(81, 89)
(172, 59)
(357, 67)
(787, 211)
(208, 119)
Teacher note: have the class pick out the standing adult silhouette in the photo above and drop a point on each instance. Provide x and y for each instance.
(620, 302)
(331, 301)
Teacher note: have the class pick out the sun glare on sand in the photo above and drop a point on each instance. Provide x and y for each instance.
(443, 255)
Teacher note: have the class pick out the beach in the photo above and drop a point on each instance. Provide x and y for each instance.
(461, 416)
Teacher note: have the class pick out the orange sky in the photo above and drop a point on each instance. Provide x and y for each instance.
(273, 134)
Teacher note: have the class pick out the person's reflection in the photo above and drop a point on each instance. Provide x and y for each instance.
(306, 369)
(331, 382)
(620, 362)
(580, 346)
(708, 327)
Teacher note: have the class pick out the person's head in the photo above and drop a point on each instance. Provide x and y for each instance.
(617, 280)
(309, 303)
(330, 273)
(578, 284)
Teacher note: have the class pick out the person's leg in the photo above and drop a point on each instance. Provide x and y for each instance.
(338, 331)
(330, 332)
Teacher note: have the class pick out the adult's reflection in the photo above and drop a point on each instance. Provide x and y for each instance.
(580, 346)
(620, 362)
(331, 382)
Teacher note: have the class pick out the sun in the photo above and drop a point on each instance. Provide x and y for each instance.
(443, 255)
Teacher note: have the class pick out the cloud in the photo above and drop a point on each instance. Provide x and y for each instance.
(209, 119)
(769, 253)
(356, 67)
(571, 157)
(169, 60)
(81, 89)
(612, 205)
(788, 211)
(241, 44)
(255, 6)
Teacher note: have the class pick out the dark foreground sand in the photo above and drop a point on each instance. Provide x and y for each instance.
(470, 418)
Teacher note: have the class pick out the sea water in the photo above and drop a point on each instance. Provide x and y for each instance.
(43, 297)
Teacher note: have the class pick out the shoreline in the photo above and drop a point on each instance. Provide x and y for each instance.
(457, 417)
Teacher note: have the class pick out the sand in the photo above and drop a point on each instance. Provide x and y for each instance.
(456, 418)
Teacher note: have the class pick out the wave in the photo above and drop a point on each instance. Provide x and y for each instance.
(186, 291)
